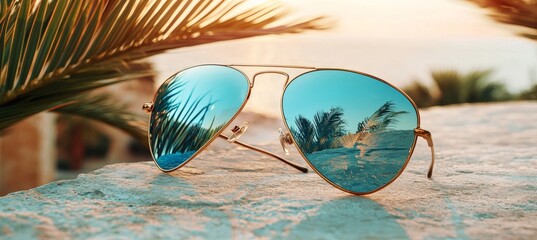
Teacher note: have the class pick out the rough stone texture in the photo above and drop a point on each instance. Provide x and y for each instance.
(484, 186)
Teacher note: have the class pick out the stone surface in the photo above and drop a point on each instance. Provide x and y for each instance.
(484, 186)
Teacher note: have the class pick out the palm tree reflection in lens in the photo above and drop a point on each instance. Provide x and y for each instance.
(181, 124)
(319, 135)
(190, 109)
(362, 161)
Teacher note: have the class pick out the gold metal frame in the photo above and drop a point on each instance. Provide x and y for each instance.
(418, 132)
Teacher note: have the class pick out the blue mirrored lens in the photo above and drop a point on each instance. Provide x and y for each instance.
(190, 108)
(355, 130)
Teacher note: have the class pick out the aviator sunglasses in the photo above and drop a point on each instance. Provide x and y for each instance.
(355, 130)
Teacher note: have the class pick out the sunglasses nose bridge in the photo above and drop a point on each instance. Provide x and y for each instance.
(270, 72)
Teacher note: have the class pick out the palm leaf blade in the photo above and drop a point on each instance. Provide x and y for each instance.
(77, 46)
(104, 108)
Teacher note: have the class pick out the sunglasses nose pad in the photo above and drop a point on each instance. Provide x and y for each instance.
(237, 132)
(285, 141)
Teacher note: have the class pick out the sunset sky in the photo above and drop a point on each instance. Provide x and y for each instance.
(399, 41)
(408, 19)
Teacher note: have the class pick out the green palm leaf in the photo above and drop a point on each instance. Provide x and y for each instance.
(53, 52)
(67, 91)
(420, 94)
(104, 108)
(454, 87)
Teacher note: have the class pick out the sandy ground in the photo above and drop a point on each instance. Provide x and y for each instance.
(484, 187)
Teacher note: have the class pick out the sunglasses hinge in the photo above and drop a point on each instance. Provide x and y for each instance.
(425, 135)
(148, 107)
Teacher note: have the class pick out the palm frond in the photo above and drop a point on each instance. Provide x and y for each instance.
(304, 134)
(449, 82)
(4, 6)
(69, 90)
(319, 134)
(454, 87)
(516, 12)
(54, 51)
(328, 128)
(104, 108)
(477, 87)
(328, 125)
(380, 120)
(420, 94)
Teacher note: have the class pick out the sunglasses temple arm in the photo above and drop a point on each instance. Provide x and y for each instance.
(259, 150)
(427, 136)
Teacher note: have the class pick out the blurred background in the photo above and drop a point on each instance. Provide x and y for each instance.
(439, 51)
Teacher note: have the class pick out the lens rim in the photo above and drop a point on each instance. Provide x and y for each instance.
(373, 78)
(171, 78)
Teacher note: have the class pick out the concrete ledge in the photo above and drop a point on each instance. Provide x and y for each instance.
(484, 186)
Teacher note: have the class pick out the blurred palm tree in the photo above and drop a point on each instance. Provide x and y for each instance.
(529, 94)
(420, 94)
(454, 87)
(516, 12)
(52, 53)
